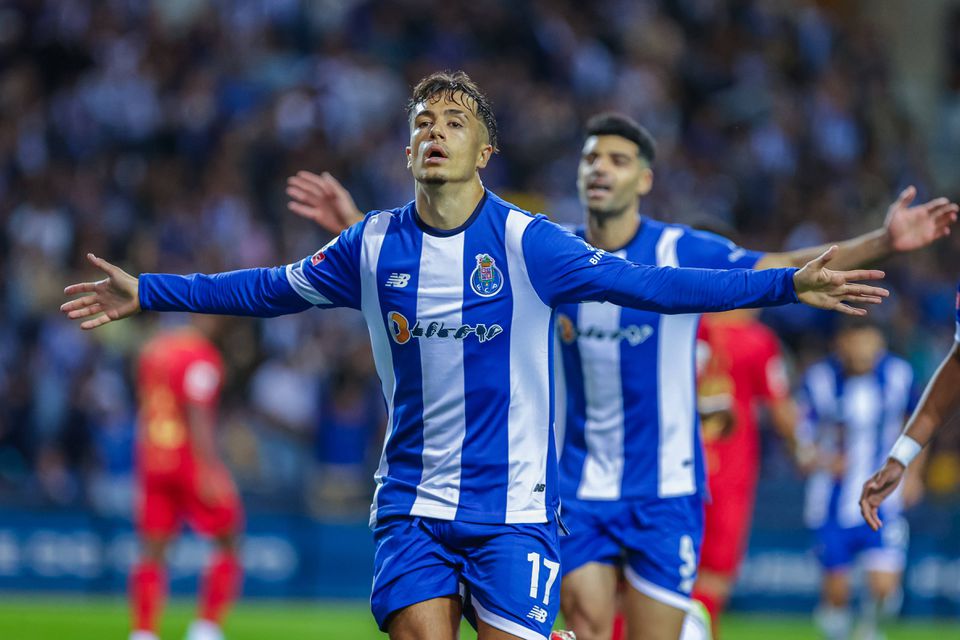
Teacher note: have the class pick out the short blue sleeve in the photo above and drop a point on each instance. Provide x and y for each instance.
(331, 277)
(711, 251)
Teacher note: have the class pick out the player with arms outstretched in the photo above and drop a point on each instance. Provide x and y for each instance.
(458, 289)
(181, 478)
(615, 462)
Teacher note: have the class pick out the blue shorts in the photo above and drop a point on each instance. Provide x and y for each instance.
(657, 541)
(507, 574)
(885, 550)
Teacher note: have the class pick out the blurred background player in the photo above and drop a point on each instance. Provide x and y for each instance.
(612, 476)
(740, 367)
(181, 478)
(937, 407)
(854, 405)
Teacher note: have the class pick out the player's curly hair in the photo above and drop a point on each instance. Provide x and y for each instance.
(456, 86)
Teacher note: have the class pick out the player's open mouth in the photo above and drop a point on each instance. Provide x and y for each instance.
(598, 189)
(434, 155)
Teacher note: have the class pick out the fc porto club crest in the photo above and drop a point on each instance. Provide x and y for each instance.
(486, 280)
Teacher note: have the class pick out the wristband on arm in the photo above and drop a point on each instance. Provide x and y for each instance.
(905, 449)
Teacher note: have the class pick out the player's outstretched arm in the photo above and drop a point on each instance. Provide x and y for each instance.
(906, 228)
(940, 402)
(564, 268)
(825, 288)
(263, 293)
(323, 200)
(114, 298)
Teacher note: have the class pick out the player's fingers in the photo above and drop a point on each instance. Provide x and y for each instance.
(850, 311)
(332, 182)
(935, 203)
(307, 185)
(304, 210)
(862, 299)
(80, 287)
(103, 265)
(907, 196)
(79, 303)
(820, 261)
(297, 193)
(99, 321)
(85, 312)
(858, 275)
(945, 215)
(864, 290)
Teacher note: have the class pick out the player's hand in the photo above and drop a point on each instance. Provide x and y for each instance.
(115, 297)
(323, 200)
(877, 488)
(824, 288)
(910, 228)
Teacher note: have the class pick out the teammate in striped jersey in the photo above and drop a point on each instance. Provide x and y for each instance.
(459, 289)
(939, 404)
(854, 403)
(632, 475)
(615, 441)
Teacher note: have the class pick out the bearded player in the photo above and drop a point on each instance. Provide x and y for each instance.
(181, 478)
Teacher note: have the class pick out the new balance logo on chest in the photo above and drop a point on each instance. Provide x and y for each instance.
(398, 280)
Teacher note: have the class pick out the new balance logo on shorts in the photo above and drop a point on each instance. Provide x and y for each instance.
(398, 280)
(538, 614)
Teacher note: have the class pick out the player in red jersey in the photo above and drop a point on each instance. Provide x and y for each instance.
(181, 478)
(740, 365)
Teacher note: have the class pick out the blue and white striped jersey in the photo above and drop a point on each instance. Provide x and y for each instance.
(631, 427)
(859, 418)
(461, 323)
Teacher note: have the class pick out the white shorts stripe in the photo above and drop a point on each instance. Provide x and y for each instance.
(655, 591)
(509, 626)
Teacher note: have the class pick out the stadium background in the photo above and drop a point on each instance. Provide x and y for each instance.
(159, 135)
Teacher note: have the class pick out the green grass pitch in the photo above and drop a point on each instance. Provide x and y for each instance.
(38, 617)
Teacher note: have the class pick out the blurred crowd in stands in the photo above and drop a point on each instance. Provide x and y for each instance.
(160, 134)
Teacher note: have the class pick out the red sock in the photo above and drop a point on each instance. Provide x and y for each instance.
(220, 587)
(619, 627)
(148, 586)
(714, 606)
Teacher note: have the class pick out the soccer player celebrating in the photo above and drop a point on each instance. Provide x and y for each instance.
(459, 290)
(855, 404)
(631, 471)
(940, 403)
(180, 476)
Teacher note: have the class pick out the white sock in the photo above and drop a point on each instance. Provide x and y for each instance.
(204, 630)
(696, 624)
(143, 635)
(694, 629)
(835, 623)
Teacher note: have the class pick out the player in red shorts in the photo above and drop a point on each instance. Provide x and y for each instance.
(740, 365)
(181, 478)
